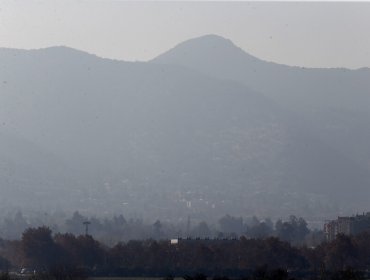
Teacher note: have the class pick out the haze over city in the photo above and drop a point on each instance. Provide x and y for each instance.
(227, 140)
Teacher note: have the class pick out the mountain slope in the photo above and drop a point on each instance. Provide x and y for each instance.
(335, 103)
(32, 176)
(147, 138)
(219, 57)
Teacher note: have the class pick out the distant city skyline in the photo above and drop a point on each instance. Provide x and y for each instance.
(309, 34)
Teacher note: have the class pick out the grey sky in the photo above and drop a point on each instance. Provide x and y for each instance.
(306, 34)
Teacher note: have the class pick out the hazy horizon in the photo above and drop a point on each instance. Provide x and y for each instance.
(171, 139)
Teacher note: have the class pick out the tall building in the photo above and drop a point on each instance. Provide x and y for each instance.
(347, 225)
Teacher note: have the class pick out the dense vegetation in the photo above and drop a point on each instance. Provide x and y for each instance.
(116, 229)
(42, 251)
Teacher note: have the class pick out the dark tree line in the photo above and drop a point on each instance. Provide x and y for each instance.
(40, 250)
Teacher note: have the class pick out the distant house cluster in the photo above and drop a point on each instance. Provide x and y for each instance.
(347, 225)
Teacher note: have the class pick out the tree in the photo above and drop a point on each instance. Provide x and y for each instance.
(74, 225)
(341, 253)
(157, 230)
(90, 251)
(262, 230)
(38, 248)
(229, 224)
(294, 230)
(4, 264)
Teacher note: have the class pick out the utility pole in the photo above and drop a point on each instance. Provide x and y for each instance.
(86, 223)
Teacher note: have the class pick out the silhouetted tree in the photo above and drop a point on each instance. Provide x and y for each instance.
(39, 248)
(229, 224)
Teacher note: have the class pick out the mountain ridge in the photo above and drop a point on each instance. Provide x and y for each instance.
(217, 40)
(214, 37)
(158, 135)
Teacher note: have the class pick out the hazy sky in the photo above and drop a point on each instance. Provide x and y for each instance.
(306, 34)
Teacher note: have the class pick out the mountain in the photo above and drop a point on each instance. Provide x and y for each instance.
(30, 175)
(299, 88)
(334, 103)
(164, 140)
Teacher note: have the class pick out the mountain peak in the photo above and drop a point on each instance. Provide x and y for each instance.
(210, 38)
(63, 50)
(205, 49)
